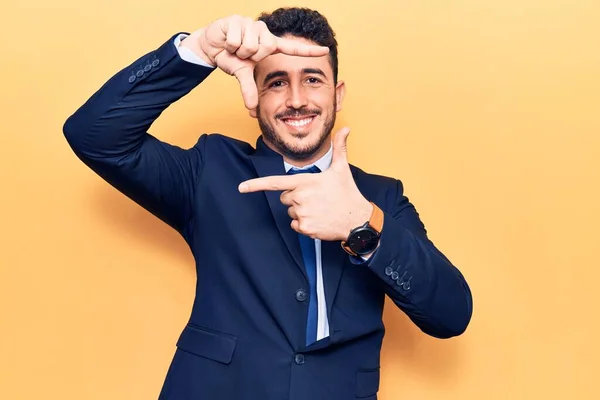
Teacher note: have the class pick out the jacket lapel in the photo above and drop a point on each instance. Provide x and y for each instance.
(334, 260)
(268, 163)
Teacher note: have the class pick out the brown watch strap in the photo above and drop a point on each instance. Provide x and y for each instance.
(376, 220)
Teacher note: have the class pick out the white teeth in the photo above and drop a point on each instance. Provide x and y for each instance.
(298, 123)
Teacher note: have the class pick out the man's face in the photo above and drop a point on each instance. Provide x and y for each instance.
(297, 104)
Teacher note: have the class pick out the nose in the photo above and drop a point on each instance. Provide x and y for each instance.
(297, 97)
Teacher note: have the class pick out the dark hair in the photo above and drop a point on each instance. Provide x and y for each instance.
(304, 23)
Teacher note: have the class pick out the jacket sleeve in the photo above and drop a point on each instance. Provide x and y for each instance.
(109, 133)
(419, 279)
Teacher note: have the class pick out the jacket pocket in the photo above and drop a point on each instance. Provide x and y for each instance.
(209, 344)
(367, 384)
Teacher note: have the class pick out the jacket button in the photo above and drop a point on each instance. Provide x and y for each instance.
(155, 63)
(388, 271)
(301, 295)
(395, 275)
(132, 79)
(299, 359)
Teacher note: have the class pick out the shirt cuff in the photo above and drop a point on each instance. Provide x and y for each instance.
(188, 55)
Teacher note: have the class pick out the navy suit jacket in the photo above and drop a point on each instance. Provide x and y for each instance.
(245, 338)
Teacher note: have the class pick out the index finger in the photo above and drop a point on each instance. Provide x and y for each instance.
(245, 77)
(276, 182)
(293, 47)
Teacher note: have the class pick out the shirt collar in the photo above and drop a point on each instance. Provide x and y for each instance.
(322, 163)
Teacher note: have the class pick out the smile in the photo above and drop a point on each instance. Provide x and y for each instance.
(299, 123)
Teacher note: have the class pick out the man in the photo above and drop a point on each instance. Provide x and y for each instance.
(293, 267)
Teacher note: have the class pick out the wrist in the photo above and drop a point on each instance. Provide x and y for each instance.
(192, 42)
(363, 213)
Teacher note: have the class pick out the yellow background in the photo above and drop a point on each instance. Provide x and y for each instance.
(487, 110)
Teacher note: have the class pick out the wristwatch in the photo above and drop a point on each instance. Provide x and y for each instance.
(365, 238)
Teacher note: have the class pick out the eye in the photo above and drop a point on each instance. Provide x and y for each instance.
(276, 84)
(313, 80)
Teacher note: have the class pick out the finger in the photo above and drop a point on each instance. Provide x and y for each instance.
(267, 43)
(245, 77)
(287, 198)
(295, 224)
(233, 32)
(295, 48)
(276, 182)
(292, 213)
(249, 40)
(216, 34)
(340, 147)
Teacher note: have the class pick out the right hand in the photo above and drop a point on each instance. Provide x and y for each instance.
(235, 44)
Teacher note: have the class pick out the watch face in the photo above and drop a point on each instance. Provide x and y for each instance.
(363, 240)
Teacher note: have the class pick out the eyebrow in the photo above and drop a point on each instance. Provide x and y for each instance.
(280, 74)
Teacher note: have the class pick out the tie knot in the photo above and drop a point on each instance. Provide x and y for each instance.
(312, 170)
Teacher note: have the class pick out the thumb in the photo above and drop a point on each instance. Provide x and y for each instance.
(340, 149)
(245, 77)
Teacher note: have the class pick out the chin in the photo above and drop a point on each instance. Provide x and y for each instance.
(303, 140)
(297, 145)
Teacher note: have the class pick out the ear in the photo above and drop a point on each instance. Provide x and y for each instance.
(340, 93)
(252, 113)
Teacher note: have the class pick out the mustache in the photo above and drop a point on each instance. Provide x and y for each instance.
(294, 113)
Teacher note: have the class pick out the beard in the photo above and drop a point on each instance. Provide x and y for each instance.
(296, 153)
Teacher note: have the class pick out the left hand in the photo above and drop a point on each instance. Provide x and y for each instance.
(325, 206)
